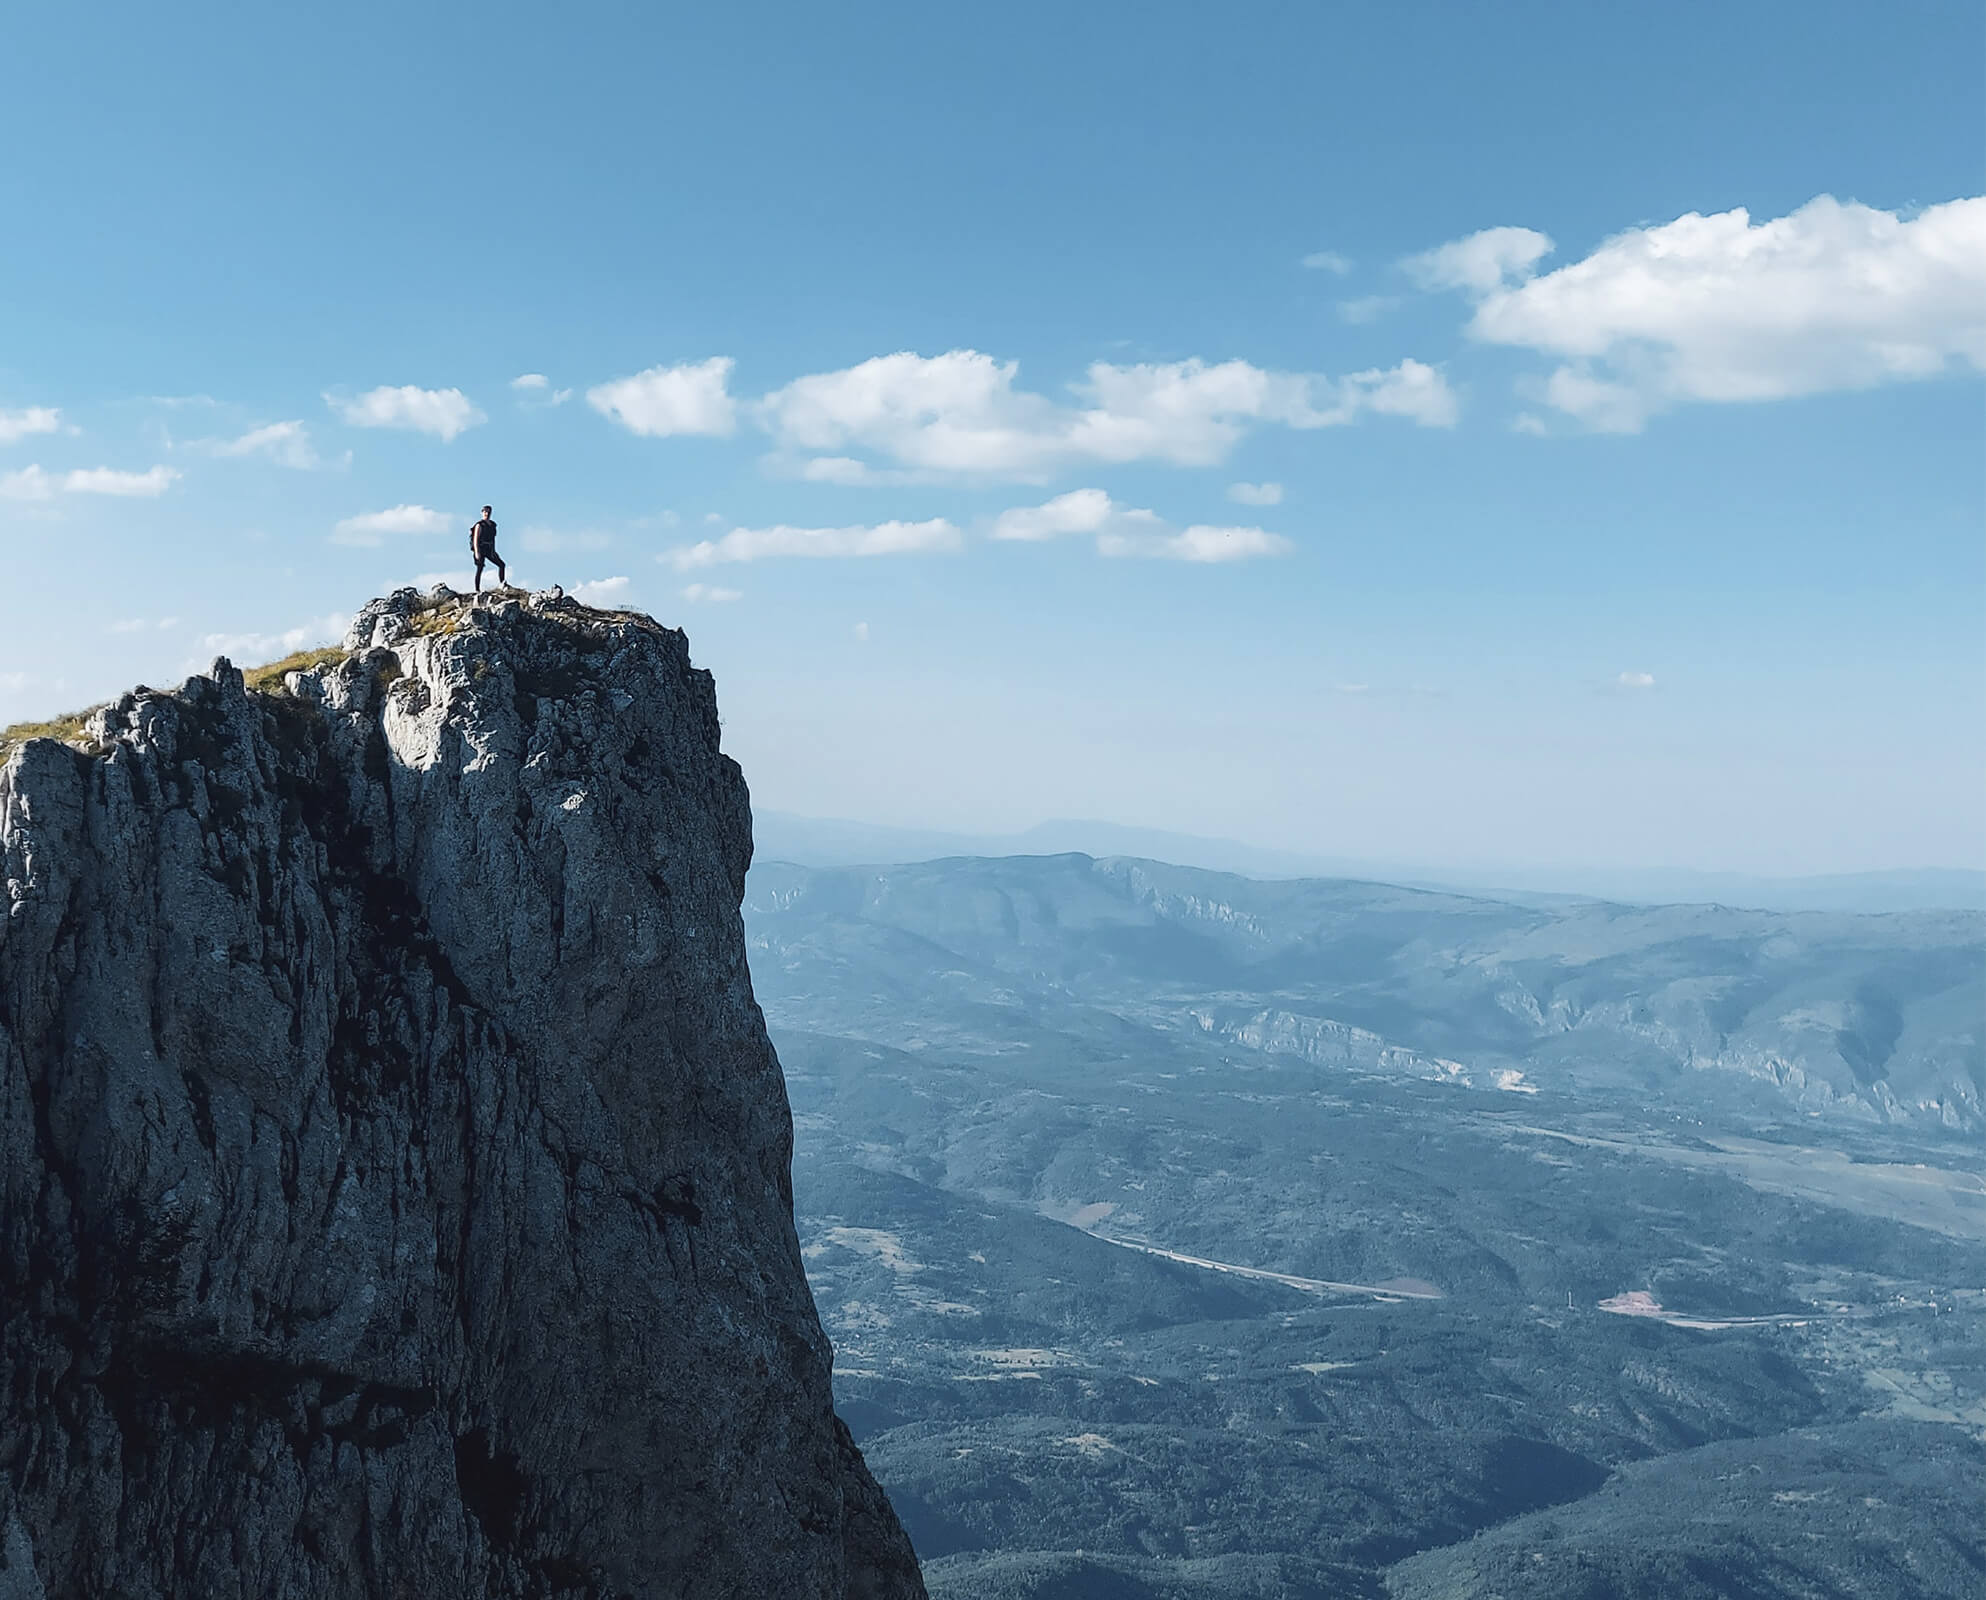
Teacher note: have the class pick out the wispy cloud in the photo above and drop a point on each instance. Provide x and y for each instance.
(1366, 308)
(1255, 494)
(147, 485)
(604, 592)
(759, 544)
(142, 625)
(371, 528)
(709, 594)
(285, 443)
(444, 413)
(18, 425)
(28, 483)
(251, 649)
(32, 483)
(1722, 309)
(1199, 543)
(1128, 531)
(846, 471)
(534, 388)
(1631, 682)
(1328, 261)
(689, 398)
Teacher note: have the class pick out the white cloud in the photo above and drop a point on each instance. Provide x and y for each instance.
(18, 425)
(690, 398)
(286, 443)
(604, 592)
(1412, 389)
(1366, 308)
(252, 649)
(27, 483)
(1635, 680)
(862, 632)
(1530, 422)
(960, 414)
(32, 483)
(758, 544)
(1078, 511)
(372, 527)
(1328, 261)
(445, 413)
(708, 594)
(846, 471)
(147, 485)
(1255, 494)
(535, 390)
(1126, 531)
(1482, 262)
(1721, 309)
(1199, 543)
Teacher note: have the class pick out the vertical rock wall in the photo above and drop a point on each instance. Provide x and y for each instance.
(394, 1169)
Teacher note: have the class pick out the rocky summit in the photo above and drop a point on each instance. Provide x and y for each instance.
(394, 1169)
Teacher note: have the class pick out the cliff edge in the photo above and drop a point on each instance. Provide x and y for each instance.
(394, 1169)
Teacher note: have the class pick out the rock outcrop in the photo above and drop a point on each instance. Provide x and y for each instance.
(394, 1169)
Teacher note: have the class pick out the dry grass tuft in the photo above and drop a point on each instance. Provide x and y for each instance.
(269, 679)
(68, 729)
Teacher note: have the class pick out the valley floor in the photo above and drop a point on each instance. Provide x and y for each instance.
(1127, 1311)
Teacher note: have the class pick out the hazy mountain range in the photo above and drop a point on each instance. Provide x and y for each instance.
(1869, 1017)
(822, 842)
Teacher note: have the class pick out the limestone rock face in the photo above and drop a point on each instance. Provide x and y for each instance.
(394, 1169)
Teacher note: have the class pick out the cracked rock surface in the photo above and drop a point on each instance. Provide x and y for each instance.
(394, 1169)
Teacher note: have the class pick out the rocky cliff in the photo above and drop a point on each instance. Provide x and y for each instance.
(394, 1192)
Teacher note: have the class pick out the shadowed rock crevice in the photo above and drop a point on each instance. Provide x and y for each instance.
(394, 1171)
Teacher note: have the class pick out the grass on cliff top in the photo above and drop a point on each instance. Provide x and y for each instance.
(68, 728)
(269, 679)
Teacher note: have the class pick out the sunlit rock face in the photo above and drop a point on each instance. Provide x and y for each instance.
(394, 1170)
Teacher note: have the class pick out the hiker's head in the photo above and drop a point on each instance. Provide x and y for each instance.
(487, 510)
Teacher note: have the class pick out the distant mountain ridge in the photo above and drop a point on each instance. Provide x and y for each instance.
(1867, 1017)
(823, 842)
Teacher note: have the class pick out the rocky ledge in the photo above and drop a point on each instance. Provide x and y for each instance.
(394, 1169)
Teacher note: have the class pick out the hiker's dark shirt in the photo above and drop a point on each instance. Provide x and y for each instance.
(483, 537)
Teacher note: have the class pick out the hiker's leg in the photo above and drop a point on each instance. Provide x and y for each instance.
(503, 572)
(479, 574)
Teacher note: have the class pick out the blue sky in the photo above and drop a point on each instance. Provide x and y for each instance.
(1359, 429)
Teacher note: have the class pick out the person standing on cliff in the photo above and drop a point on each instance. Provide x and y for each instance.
(482, 545)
